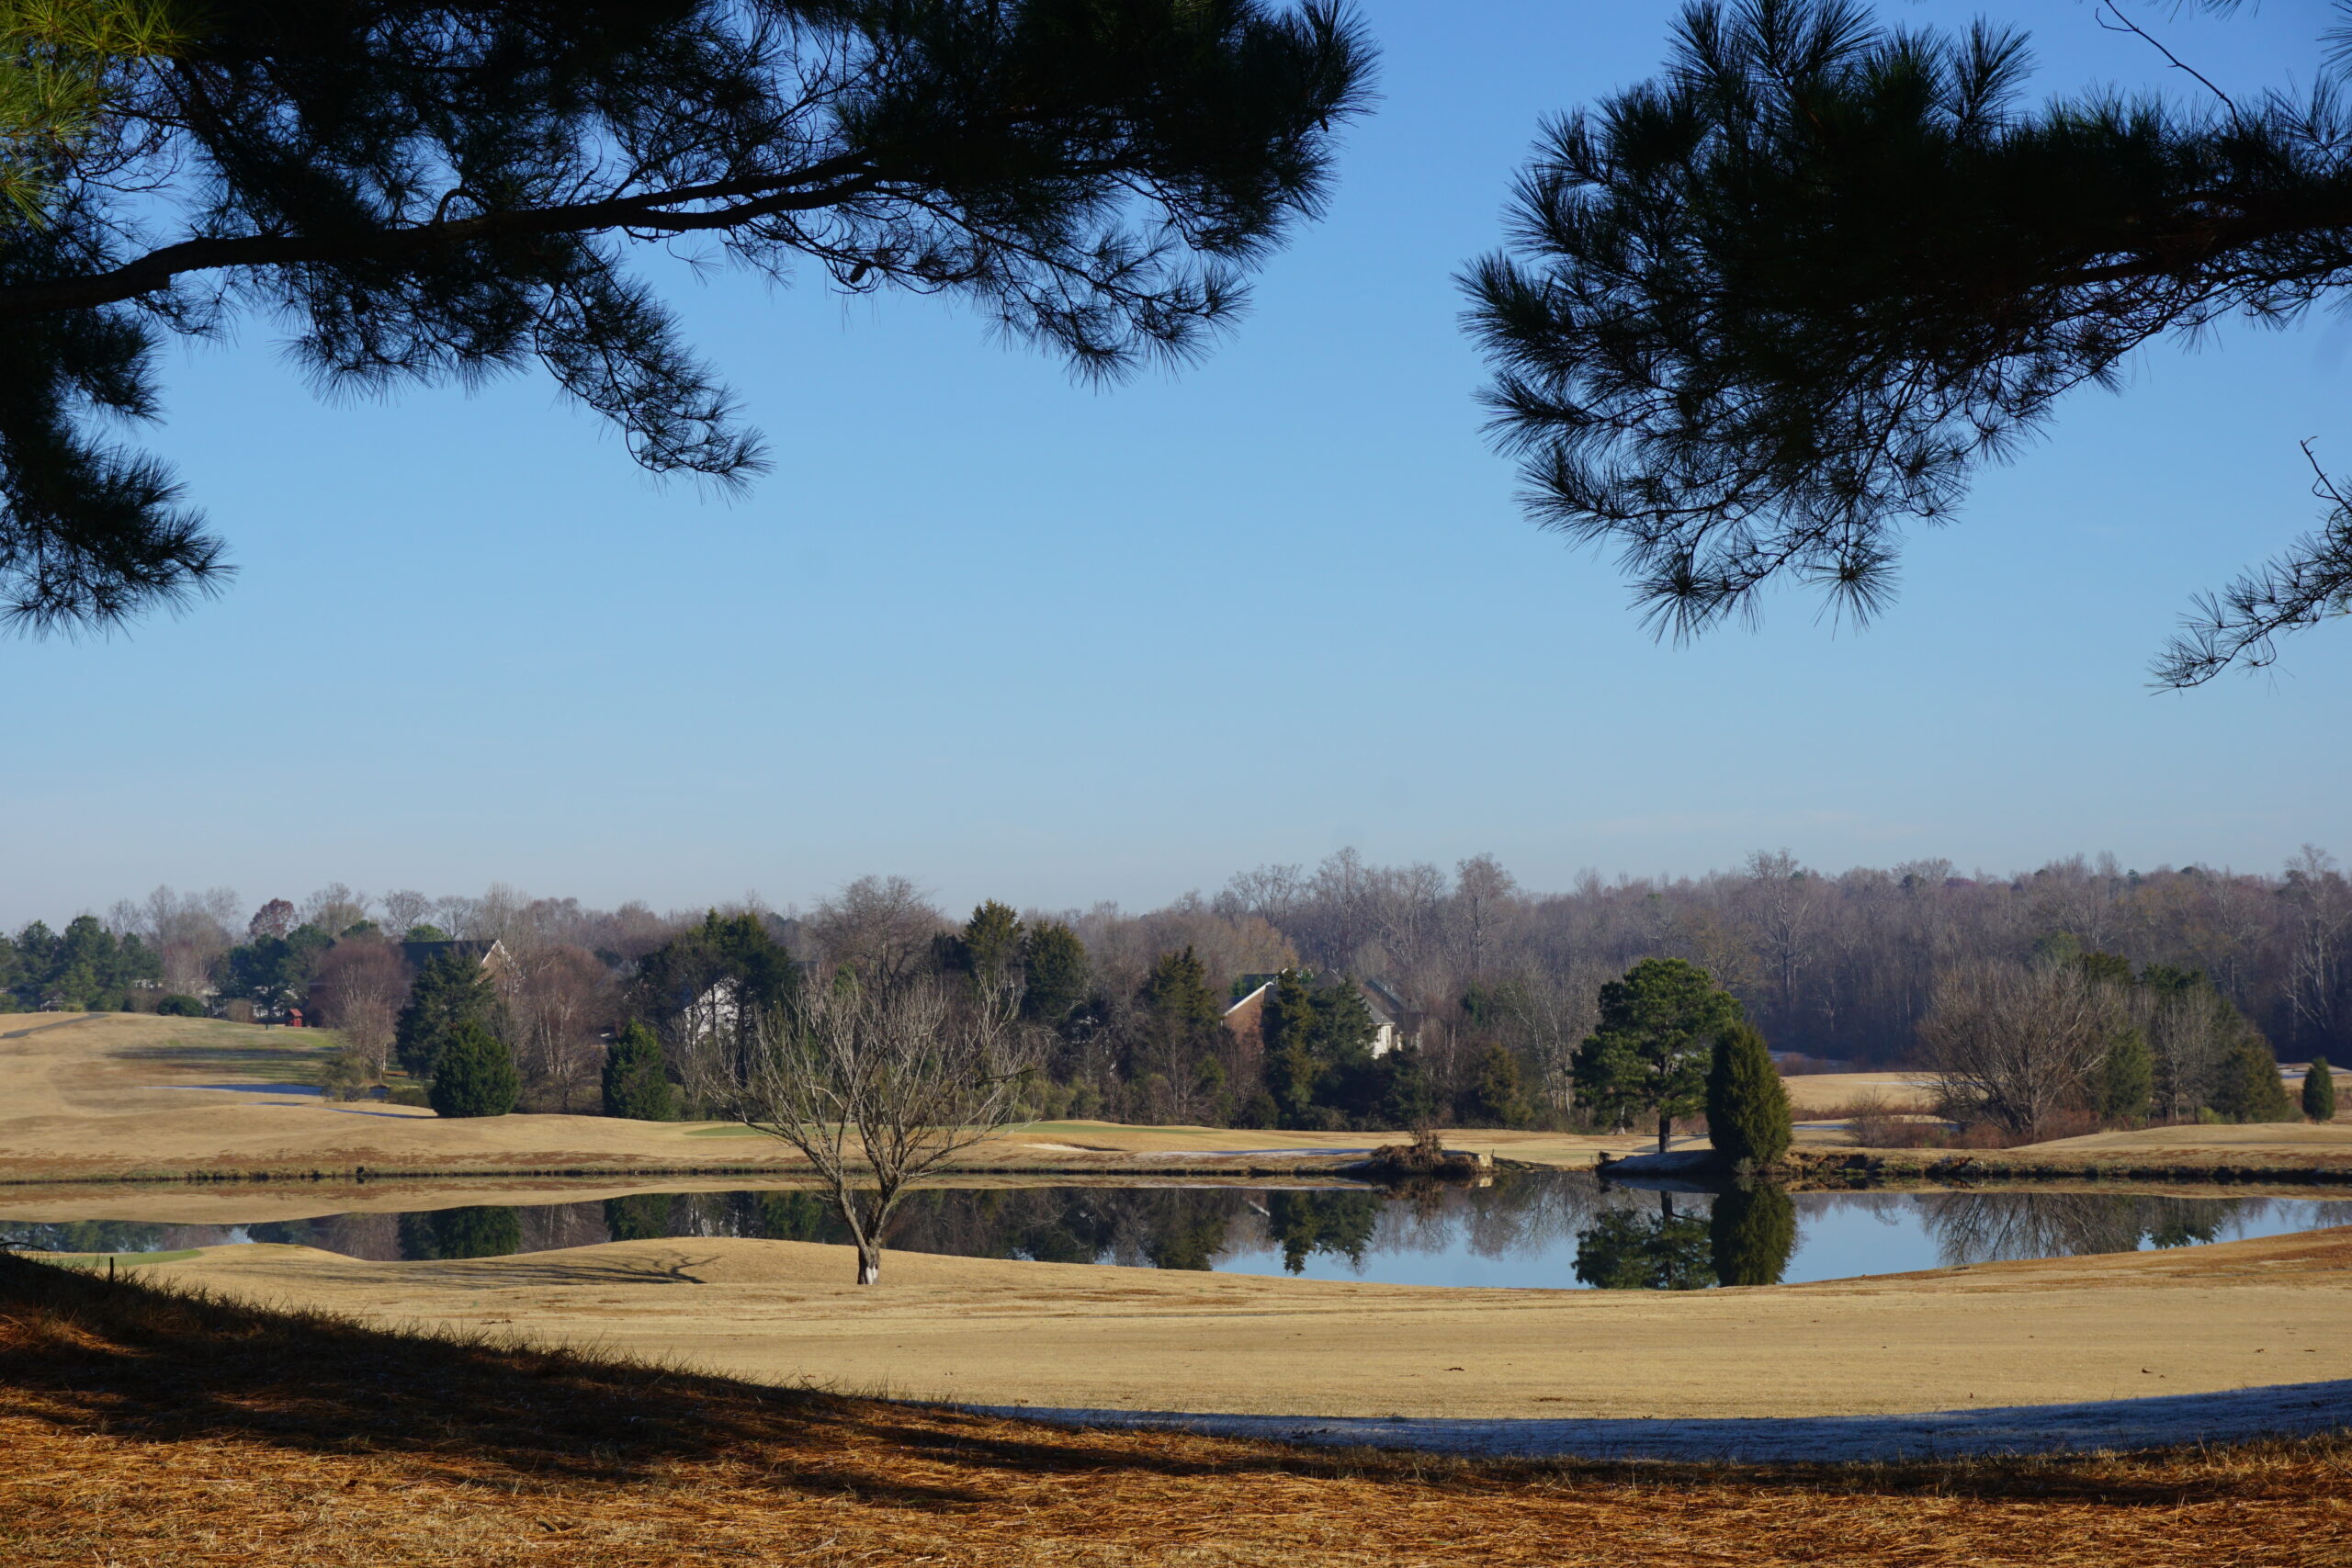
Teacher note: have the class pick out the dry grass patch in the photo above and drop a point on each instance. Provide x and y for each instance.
(145, 1426)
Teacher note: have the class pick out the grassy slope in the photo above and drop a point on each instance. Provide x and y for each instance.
(988, 1331)
(143, 1426)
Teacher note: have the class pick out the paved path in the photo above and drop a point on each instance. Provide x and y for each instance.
(2239, 1416)
(60, 1023)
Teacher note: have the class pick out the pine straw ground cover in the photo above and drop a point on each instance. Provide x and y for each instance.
(142, 1425)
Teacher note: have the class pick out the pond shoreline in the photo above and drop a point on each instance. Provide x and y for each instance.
(1879, 1170)
(1148, 1165)
(1804, 1170)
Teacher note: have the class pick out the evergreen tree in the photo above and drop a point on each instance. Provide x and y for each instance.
(2127, 1078)
(1747, 1105)
(1290, 1067)
(1657, 1037)
(85, 968)
(473, 1073)
(2105, 968)
(1409, 1100)
(451, 992)
(989, 947)
(1177, 989)
(714, 982)
(637, 1078)
(2250, 1089)
(1318, 1069)
(1497, 1094)
(1054, 968)
(1763, 310)
(1179, 1040)
(274, 970)
(429, 193)
(2319, 1090)
(1751, 1233)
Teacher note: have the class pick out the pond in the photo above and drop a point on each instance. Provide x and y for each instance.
(1556, 1230)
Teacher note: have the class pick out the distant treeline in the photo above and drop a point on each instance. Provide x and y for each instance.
(1495, 984)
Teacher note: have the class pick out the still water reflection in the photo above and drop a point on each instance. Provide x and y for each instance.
(1533, 1229)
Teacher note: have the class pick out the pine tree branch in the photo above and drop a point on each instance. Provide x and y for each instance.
(829, 184)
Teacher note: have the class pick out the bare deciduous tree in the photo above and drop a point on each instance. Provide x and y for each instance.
(878, 1083)
(2190, 1030)
(188, 930)
(558, 1002)
(2016, 1045)
(359, 990)
(334, 908)
(2320, 950)
(881, 926)
(404, 908)
(1482, 902)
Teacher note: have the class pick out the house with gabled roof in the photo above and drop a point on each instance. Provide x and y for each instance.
(491, 956)
(1246, 1017)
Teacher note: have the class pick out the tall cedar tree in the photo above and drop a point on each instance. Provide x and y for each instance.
(1053, 972)
(2250, 1089)
(636, 1080)
(2319, 1090)
(452, 991)
(1409, 1100)
(2125, 1084)
(1183, 1036)
(430, 193)
(473, 1073)
(1177, 989)
(987, 948)
(1287, 1022)
(1764, 310)
(1497, 1093)
(1747, 1105)
(1318, 1050)
(2127, 1079)
(1658, 1027)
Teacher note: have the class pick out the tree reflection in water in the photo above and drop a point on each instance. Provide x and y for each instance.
(472, 1232)
(1628, 1250)
(1745, 1236)
(1992, 1227)
(85, 1235)
(1528, 1223)
(1751, 1233)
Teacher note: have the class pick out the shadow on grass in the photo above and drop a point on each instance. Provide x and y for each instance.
(187, 1053)
(149, 1363)
(155, 1364)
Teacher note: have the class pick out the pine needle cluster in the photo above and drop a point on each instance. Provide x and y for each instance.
(1763, 311)
(429, 193)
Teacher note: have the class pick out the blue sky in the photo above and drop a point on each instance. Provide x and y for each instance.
(1015, 638)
